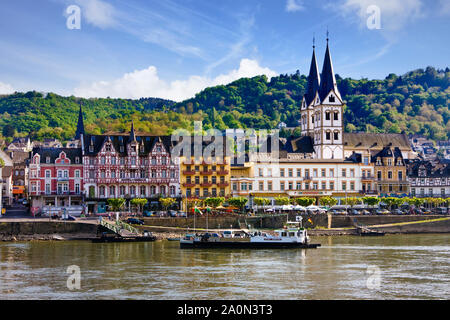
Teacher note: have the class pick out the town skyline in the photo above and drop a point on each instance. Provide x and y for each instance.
(173, 50)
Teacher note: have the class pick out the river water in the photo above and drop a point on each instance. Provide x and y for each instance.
(345, 267)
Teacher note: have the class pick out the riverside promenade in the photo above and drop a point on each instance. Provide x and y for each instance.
(28, 228)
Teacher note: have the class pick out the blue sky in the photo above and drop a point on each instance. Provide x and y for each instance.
(174, 48)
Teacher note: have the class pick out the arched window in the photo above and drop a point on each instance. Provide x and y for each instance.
(336, 135)
(143, 191)
(112, 191)
(336, 115)
(327, 115)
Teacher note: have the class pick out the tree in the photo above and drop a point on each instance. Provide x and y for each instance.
(116, 204)
(305, 201)
(139, 203)
(352, 201)
(8, 131)
(238, 202)
(328, 201)
(214, 201)
(166, 202)
(371, 201)
(280, 201)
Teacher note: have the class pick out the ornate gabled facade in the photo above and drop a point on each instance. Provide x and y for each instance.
(429, 178)
(128, 166)
(56, 180)
(322, 111)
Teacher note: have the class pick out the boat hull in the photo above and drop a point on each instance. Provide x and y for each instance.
(246, 245)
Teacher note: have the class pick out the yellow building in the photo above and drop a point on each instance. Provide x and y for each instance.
(203, 178)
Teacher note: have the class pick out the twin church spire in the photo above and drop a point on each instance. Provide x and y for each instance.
(320, 84)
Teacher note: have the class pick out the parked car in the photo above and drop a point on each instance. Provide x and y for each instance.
(181, 214)
(382, 211)
(440, 210)
(397, 211)
(24, 202)
(135, 221)
(70, 218)
(172, 213)
(354, 212)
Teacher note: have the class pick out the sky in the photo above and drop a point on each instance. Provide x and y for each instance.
(173, 49)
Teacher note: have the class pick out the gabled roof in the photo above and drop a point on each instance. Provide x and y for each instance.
(377, 141)
(54, 153)
(97, 141)
(303, 144)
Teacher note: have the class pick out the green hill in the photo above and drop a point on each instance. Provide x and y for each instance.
(416, 102)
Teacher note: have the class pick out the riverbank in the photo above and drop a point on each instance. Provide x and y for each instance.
(47, 230)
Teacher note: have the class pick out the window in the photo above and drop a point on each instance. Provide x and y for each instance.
(108, 148)
(324, 185)
(269, 185)
(331, 172)
(331, 185)
(328, 135)
(379, 175)
(291, 173)
(47, 188)
(281, 172)
(48, 173)
(336, 135)
(352, 173)
(344, 185)
(299, 185)
(103, 160)
(389, 174)
(77, 160)
(327, 115)
(122, 190)
(143, 190)
(344, 172)
(299, 173)
(389, 162)
(315, 186)
(352, 186)
(112, 191)
(281, 186)
(77, 173)
(260, 172)
(261, 186)
(315, 173)
(172, 190)
(336, 116)
(400, 175)
(47, 160)
(366, 160)
(331, 99)
(324, 173)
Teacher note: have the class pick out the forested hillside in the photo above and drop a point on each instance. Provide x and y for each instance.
(416, 102)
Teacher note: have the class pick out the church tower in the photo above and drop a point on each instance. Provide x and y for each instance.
(310, 99)
(328, 115)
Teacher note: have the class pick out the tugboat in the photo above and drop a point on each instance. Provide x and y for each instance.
(291, 236)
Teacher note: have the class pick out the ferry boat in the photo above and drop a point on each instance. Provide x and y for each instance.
(291, 236)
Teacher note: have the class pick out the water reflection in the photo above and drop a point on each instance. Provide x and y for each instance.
(413, 266)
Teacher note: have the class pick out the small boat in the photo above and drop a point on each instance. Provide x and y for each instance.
(173, 239)
(371, 233)
(291, 236)
(106, 237)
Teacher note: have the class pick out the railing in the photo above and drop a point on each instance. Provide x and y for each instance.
(118, 227)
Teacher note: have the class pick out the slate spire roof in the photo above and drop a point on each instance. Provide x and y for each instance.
(132, 133)
(328, 80)
(80, 125)
(313, 80)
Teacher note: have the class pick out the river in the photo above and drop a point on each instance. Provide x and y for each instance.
(345, 267)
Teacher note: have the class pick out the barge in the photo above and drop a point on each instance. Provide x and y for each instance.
(291, 236)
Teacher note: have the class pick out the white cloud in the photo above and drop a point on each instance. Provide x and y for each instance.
(146, 83)
(6, 88)
(394, 14)
(294, 5)
(444, 7)
(98, 13)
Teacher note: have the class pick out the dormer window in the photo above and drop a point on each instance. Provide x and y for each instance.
(91, 148)
(121, 148)
(142, 148)
(77, 160)
(399, 162)
(47, 160)
(108, 148)
(331, 99)
(378, 162)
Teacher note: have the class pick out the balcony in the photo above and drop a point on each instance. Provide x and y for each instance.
(223, 184)
(222, 172)
(206, 184)
(206, 173)
(189, 172)
(367, 177)
(188, 184)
